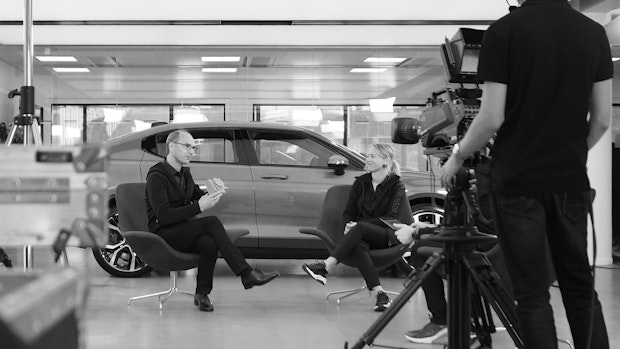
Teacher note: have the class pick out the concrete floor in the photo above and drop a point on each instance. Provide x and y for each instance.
(290, 312)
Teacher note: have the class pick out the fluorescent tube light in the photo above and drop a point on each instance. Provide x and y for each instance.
(382, 105)
(221, 59)
(56, 59)
(219, 70)
(71, 70)
(613, 59)
(393, 60)
(367, 70)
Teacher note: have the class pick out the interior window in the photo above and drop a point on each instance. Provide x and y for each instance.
(289, 149)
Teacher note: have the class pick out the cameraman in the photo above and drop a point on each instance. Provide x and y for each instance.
(545, 66)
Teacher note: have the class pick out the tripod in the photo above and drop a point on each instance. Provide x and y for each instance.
(26, 118)
(463, 267)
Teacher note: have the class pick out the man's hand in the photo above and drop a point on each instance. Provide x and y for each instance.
(207, 201)
(221, 187)
(348, 226)
(448, 171)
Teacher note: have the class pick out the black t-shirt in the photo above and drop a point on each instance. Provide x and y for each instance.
(549, 55)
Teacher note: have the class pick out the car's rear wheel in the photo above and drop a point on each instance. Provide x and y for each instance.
(421, 213)
(428, 214)
(117, 257)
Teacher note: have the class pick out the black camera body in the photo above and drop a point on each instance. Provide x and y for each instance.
(449, 111)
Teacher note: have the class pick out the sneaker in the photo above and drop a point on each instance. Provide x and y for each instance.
(383, 301)
(317, 271)
(427, 334)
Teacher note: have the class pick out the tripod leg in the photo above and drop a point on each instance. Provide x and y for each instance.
(415, 282)
(36, 131)
(489, 284)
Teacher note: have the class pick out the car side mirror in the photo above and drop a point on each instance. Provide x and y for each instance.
(338, 163)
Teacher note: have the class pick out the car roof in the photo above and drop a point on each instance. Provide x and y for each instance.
(192, 125)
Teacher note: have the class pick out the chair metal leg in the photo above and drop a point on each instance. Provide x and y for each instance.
(354, 291)
(348, 293)
(163, 296)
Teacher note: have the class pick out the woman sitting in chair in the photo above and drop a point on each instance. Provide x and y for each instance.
(374, 195)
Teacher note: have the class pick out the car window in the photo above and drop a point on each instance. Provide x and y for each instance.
(212, 146)
(214, 150)
(289, 149)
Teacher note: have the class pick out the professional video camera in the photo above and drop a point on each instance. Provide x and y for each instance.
(450, 111)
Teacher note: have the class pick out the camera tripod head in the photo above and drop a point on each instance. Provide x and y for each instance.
(457, 212)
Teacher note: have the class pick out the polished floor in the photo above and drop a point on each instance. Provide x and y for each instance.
(290, 312)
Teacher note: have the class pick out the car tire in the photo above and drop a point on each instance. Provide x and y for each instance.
(117, 257)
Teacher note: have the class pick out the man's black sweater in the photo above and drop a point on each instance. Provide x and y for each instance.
(166, 201)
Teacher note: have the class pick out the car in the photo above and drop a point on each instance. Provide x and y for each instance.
(277, 176)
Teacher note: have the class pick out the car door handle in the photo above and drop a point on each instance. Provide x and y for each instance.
(274, 176)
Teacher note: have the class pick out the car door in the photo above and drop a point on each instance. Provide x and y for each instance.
(291, 177)
(221, 154)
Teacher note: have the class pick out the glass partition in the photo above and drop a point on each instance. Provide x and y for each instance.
(326, 120)
(77, 124)
(366, 128)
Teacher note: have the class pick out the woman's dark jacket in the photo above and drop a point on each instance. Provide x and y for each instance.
(166, 202)
(366, 204)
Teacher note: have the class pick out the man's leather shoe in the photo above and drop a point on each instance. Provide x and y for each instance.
(203, 302)
(257, 277)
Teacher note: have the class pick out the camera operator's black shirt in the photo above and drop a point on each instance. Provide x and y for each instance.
(549, 56)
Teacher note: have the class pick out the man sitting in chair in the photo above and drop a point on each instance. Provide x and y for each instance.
(172, 198)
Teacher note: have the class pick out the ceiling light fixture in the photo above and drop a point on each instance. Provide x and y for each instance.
(71, 70)
(56, 59)
(393, 60)
(221, 59)
(367, 70)
(613, 59)
(219, 70)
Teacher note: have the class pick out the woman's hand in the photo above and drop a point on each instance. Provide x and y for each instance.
(404, 234)
(348, 226)
(207, 201)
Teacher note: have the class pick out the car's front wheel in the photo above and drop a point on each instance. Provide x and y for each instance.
(117, 257)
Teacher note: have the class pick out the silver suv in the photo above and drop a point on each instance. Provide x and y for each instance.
(276, 175)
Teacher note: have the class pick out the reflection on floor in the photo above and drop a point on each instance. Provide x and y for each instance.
(290, 312)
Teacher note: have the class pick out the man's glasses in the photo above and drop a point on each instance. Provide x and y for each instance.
(188, 147)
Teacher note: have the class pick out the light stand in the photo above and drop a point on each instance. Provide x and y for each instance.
(26, 118)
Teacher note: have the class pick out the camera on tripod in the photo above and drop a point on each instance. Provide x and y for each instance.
(449, 111)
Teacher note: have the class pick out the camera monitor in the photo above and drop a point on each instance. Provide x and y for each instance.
(460, 55)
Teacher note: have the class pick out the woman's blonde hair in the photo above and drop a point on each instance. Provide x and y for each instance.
(386, 151)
